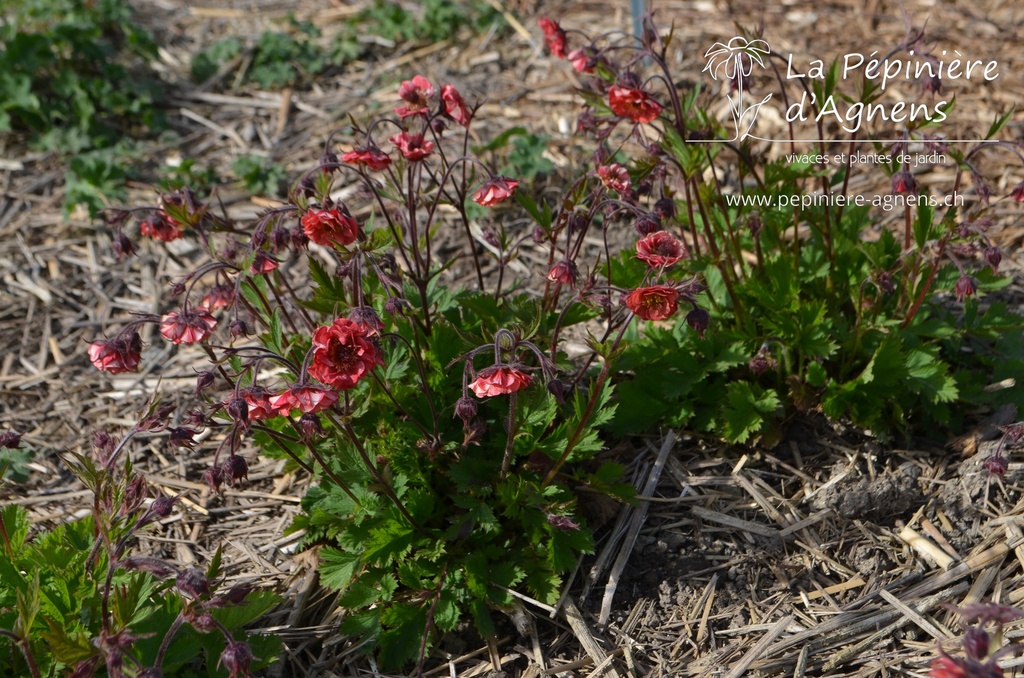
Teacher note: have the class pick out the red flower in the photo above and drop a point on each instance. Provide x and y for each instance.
(499, 380)
(904, 182)
(660, 248)
(219, 296)
(635, 104)
(564, 272)
(187, 327)
(653, 303)
(554, 36)
(417, 93)
(330, 227)
(120, 354)
(342, 355)
(371, 156)
(947, 667)
(258, 400)
(308, 398)
(1018, 193)
(413, 146)
(495, 190)
(580, 61)
(160, 226)
(455, 106)
(615, 177)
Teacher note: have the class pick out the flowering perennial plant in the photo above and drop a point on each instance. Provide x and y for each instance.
(446, 429)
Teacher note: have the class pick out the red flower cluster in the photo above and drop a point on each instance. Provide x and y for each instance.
(413, 146)
(554, 36)
(257, 398)
(660, 248)
(615, 177)
(635, 104)
(187, 327)
(119, 354)
(342, 354)
(653, 303)
(330, 227)
(369, 156)
(417, 93)
(219, 296)
(495, 190)
(499, 380)
(455, 106)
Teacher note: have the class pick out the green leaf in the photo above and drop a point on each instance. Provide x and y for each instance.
(337, 568)
(747, 405)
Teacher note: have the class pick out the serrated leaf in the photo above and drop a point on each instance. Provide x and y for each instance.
(337, 568)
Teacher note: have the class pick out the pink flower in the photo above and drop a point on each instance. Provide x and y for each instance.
(330, 227)
(413, 146)
(564, 272)
(308, 398)
(660, 248)
(370, 156)
(495, 190)
(257, 398)
(634, 104)
(417, 92)
(219, 296)
(499, 380)
(966, 286)
(615, 177)
(187, 327)
(120, 354)
(653, 303)
(342, 354)
(455, 106)
(554, 36)
(580, 61)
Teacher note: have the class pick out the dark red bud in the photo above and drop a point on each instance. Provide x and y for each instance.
(236, 658)
(309, 425)
(235, 470)
(238, 409)
(10, 440)
(214, 477)
(204, 380)
(465, 409)
(192, 582)
(699, 320)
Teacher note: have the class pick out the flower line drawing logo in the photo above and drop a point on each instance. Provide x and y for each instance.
(735, 61)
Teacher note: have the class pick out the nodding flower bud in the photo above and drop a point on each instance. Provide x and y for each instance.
(538, 235)
(754, 225)
(104, 443)
(238, 409)
(465, 409)
(204, 380)
(192, 582)
(997, 465)
(762, 362)
(236, 658)
(699, 320)
(368, 319)
(134, 494)
(299, 238)
(965, 287)
(904, 182)
(976, 643)
(993, 256)
(280, 238)
(557, 389)
(309, 425)
(162, 507)
(646, 224)
(665, 208)
(123, 246)
(237, 329)
(180, 436)
(562, 523)
(10, 440)
(394, 307)
(235, 470)
(564, 272)
(214, 477)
